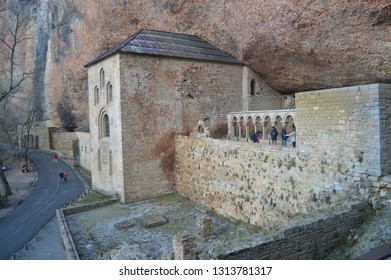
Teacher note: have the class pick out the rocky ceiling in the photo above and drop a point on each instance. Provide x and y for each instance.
(295, 45)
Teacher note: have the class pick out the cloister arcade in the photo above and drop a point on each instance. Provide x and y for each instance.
(241, 125)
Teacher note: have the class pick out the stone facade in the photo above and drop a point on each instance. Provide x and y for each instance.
(107, 173)
(155, 98)
(353, 121)
(338, 156)
(39, 137)
(84, 149)
(45, 137)
(63, 141)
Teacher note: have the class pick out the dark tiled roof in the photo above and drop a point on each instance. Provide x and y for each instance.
(151, 42)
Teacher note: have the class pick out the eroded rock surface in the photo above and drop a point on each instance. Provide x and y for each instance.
(295, 45)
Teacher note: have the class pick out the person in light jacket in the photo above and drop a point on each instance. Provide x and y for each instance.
(292, 135)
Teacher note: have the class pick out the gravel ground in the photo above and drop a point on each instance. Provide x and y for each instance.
(20, 183)
(145, 230)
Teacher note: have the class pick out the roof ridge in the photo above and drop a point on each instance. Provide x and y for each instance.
(159, 43)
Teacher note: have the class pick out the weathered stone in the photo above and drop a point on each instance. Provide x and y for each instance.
(378, 184)
(153, 220)
(126, 224)
(184, 247)
(387, 179)
(204, 226)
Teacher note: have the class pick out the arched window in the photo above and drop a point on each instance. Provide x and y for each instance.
(103, 125)
(106, 126)
(96, 95)
(109, 92)
(252, 87)
(102, 78)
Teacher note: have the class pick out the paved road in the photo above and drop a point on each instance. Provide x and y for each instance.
(40, 206)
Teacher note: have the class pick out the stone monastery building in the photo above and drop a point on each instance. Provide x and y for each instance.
(151, 87)
(155, 94)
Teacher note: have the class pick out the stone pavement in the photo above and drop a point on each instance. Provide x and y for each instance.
(46, 245)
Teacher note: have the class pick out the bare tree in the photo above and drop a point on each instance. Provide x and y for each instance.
(15, 24)
(11, 116)
(30, 119)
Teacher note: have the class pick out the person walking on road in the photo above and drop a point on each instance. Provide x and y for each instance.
(55, 157)
(61, 176)
(65, 176)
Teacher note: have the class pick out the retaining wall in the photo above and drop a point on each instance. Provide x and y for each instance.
(313, 239)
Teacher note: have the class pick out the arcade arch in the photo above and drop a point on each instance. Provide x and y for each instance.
(242, 124)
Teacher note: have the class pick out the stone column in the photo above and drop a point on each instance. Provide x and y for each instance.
(240, 124)
(204, 226)
(184, 247)
(247, 131)
(264, 131)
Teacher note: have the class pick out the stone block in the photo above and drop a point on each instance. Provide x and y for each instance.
(125, 224)
(204, 226)
(387, 179)
(184, 247)
(153, 220)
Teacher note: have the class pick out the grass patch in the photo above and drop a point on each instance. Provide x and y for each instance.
(92, 197)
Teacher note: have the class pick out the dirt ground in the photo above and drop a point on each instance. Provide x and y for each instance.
(20, 183)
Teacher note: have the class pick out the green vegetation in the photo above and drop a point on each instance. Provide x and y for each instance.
(92, 197)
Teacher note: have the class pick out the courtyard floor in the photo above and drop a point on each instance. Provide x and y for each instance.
(145, 230)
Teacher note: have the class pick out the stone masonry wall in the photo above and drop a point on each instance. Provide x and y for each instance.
(162, 97)
(353, 122)
(261, 184)
(84, 149)
(106, 152)
(62, 141)
(312, 239)
(263, 97)
(340, 153)
(385, 127)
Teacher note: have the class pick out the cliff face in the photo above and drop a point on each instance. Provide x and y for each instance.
(295, 45)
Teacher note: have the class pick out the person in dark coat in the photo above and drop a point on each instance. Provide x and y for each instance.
(61, 176)
(254, 137)
(274, 134)
(284, 136)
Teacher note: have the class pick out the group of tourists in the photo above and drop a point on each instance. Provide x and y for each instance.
(63, 175)
(255, 138)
